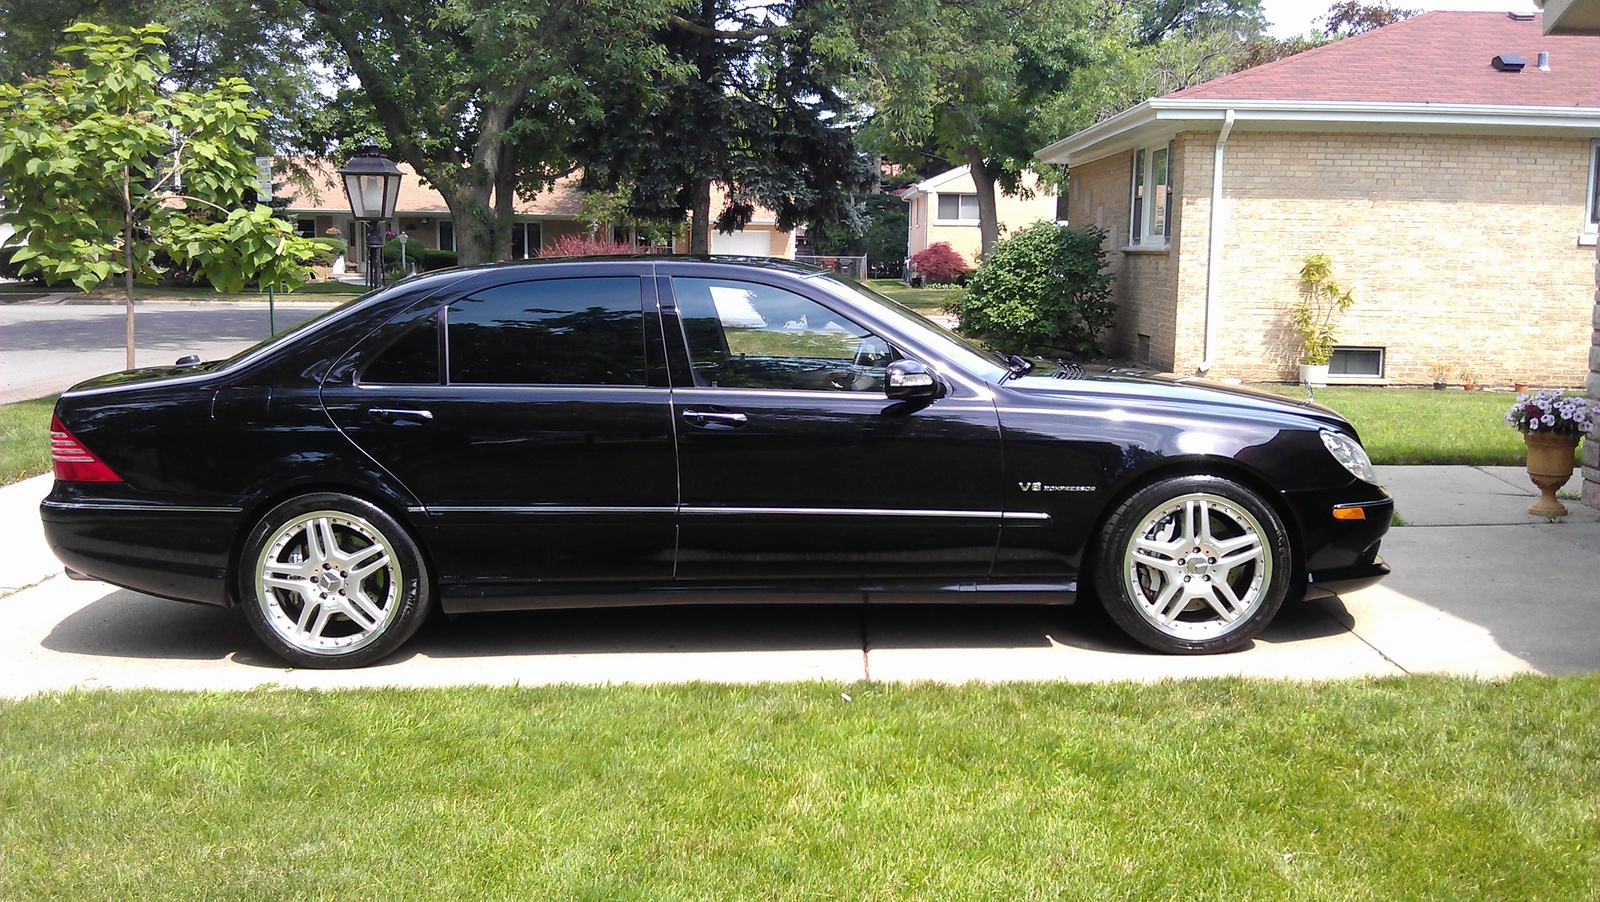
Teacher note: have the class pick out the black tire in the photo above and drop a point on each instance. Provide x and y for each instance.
(331, 581)
(1193, 565)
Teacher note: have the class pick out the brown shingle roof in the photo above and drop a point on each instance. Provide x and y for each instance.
(559, 200)
(1437, 57)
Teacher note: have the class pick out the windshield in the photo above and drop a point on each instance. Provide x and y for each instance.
(975, 360)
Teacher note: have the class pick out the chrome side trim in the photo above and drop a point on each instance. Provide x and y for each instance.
(738, 511)
(113, 506)
(864, 512)
(544, 509)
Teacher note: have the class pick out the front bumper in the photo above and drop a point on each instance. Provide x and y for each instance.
(1341, 555)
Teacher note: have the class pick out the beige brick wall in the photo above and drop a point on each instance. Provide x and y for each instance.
(1143, 282)
(1459, 248)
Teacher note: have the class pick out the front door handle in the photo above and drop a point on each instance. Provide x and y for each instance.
(716, 419)
(397, 415)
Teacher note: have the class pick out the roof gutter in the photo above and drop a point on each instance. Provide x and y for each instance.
(1219, 221)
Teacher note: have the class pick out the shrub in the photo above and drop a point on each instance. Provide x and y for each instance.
(1044, 290)
(327, 250)
(8, 269)
(939, 264)
(425, 259)
(584, 246)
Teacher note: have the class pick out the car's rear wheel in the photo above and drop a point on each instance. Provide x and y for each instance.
(329, 580)
(1193, 565)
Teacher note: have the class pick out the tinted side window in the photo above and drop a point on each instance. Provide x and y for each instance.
(747, 335)
(413, 358)
(549, 332)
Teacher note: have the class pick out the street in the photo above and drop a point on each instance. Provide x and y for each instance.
(45, 348)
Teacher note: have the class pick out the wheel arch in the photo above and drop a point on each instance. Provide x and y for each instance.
(254, 512)
(1222, 467)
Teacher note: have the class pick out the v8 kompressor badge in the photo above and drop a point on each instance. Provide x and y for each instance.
(1042, 487)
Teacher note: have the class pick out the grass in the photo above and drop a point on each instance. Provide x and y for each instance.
(922, 300)
(1415, 788)
(25, 439)
(1420, 426)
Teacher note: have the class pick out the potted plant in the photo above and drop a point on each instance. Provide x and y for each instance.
(1469, 379)
(1552, 423)
(1322, 299)
(1439, 371)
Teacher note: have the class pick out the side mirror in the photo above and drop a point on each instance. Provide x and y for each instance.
(909, 380)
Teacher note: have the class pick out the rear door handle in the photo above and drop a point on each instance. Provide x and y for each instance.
(716, 419)
(397, 415)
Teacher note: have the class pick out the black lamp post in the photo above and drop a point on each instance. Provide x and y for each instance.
(373, 183)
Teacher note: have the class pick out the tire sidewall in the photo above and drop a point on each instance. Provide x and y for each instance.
(1110, 580)
(414, 596)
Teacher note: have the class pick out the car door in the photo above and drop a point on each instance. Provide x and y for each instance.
(528, 419)
(793, 463)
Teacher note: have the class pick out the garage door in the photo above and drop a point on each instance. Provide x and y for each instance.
(743, 243)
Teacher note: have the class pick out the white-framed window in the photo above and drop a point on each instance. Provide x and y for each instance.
(1356, 364)
(957, 208)
(1150, 220)
(526, 240)
(1591, 217)
(447, 235)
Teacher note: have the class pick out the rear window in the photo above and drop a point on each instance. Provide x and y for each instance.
(549, 332)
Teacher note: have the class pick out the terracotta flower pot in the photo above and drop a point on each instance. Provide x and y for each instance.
(1549, 466)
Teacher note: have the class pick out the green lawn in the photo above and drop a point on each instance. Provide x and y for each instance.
(922, 300)
(25, 439)
(1417, 788)
(1422, 426)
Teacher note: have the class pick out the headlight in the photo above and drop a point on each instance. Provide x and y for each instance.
(1349, 452)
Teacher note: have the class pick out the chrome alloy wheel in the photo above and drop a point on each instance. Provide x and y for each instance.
(1197, 566)
(327, 582)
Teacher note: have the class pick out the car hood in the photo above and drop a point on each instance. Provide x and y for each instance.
(1135, 385)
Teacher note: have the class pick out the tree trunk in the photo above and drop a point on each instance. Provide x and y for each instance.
(474, 222)
(700, 222)
(127, 259)
(505, 201)
(988, 215)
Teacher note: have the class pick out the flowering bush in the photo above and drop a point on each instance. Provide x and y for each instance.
(582, 246)
(1551, 412)
(939, 264)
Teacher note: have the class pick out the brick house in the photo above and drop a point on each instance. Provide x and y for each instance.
(945, 208)
(1456, 192)
(422, 214)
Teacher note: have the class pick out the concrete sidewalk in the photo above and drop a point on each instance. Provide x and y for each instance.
(1479, 588)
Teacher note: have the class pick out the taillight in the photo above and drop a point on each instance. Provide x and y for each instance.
(73, 462)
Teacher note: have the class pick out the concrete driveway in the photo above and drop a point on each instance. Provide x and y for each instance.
(1480, 588)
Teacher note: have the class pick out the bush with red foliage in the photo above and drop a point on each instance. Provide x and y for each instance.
(584, 246)
(939, 264)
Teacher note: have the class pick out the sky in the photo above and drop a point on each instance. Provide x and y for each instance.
(1294, 17)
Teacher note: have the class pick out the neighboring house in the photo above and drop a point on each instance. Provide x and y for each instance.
(422, 214)
(945, 208)
(1456, 192)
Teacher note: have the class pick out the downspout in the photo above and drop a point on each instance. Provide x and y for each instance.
(1214, 254)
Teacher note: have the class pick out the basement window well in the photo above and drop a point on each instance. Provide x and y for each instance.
(1356, 365)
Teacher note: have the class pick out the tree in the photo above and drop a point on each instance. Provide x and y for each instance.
(1349, 17)
(969, 82)
(746, 101)
(102, 166)
(482, 98)
(264, 42)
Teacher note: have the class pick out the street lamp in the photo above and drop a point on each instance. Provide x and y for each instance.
(372, 182)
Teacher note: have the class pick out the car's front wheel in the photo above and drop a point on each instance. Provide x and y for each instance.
(329, 580)
(1193, 565)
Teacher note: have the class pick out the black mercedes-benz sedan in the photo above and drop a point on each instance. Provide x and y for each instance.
(658, 430)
